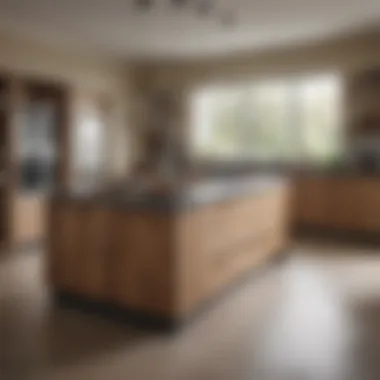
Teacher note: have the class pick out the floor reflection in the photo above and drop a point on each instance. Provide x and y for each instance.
(316, 315)
(310, 335)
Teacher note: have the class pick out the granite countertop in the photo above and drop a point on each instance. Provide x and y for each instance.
(202, 192)
(176, 199)
(219, 190)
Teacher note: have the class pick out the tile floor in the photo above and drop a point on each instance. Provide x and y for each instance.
(315, 315)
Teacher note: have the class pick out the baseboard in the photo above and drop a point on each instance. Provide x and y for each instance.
(139, 319)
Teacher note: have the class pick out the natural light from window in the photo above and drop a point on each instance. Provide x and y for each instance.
(291, 120)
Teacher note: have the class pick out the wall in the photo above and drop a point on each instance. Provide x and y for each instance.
(85, 73)
(340, 54)
(128, 85)
(345, 56)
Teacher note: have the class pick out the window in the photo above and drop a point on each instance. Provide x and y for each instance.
(277, 120)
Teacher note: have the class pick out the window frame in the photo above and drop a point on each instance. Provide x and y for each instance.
(294, 81)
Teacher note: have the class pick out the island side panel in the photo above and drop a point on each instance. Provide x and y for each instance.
(218, 243)
(166, 263)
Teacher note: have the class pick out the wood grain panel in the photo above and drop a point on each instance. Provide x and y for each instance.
(142, 264)
(311, 201)
(28, 218)
(64, 246)
(164, 263)
(190, 269)
(351, 204)
(93, 260)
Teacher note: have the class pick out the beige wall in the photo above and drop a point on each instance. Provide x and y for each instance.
(128, 84)
(341, 54)
(24, 57)
(85, 73)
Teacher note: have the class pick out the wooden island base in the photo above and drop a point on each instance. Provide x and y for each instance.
(158, 265)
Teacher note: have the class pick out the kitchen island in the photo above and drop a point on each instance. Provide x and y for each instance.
(164, 254)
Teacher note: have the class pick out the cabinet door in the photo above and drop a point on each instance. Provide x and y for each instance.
(63, 246)
(355, 204)
(368, 199)
(78, 249)
(142, 268)
(351, 204)
(93, 252)
(311, 201)
(190, 286)
(343, 211)
(28, 219)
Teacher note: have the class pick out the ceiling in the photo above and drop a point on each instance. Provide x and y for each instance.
(165, 31)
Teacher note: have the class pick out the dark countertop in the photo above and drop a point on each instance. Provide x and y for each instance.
(205, 191)
(183, 198)
(337, 172)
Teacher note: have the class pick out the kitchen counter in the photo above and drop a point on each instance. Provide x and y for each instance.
(181, 198)
(337, 173)
(113, 247)
(345, 204)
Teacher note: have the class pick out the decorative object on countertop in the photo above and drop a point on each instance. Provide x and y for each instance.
(163, 158)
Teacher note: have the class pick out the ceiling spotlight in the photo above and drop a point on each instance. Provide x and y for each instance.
(143, 4)
(205, 7)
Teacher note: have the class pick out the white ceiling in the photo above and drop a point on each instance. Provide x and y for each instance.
(114, 26)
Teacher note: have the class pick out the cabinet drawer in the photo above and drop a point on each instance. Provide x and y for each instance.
(226, 266)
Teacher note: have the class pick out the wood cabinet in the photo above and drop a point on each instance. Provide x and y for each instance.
(236, 235)
(28, 220)
(351, 204)
(78, 259)
(141, 270)
(94, 241)
(64, 248)
(311, 201)
(162, 262)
